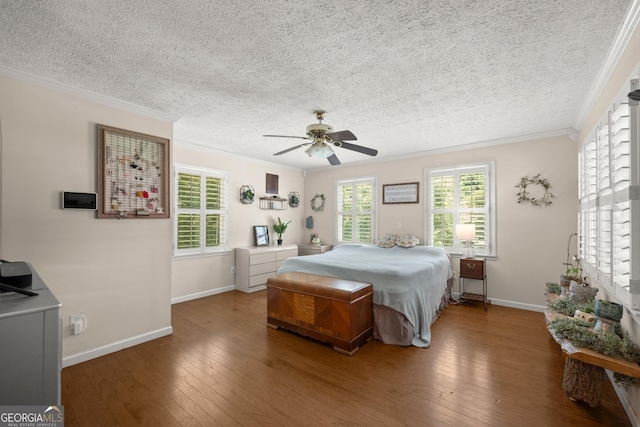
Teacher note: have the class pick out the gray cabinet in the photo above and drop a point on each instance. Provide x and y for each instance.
(31, 347)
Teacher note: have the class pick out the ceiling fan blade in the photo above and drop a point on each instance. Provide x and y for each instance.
(359, 149)
(286, 136)
(291, 149)
(343, 135)
(333, 159)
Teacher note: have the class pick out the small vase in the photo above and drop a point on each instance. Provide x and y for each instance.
(279, 242)
(608, 310)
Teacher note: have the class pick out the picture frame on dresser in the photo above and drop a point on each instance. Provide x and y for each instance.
(261, 234)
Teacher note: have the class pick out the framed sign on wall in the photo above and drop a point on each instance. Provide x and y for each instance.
(400, 193)
(133, 174)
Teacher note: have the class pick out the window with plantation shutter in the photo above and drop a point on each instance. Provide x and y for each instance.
(461, 195)
(609, 212)
(355, 202)
(201, 211)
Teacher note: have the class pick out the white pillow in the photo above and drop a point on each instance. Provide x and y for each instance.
(387, 241)
(407, 241)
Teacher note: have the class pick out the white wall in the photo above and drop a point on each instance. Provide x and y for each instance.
(118, 273)
(531, 240)
(193, 277)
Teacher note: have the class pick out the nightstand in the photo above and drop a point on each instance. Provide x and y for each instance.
(313, 249)
(474, 268)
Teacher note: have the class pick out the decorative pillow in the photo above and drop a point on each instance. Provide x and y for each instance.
(407, 241)
(387, 241)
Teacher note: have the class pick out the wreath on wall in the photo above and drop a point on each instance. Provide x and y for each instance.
(524, 196)
(317, 203)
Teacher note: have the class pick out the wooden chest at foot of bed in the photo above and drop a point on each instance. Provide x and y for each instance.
(328, 309)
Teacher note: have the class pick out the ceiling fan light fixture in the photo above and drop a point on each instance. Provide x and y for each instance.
(319, 150)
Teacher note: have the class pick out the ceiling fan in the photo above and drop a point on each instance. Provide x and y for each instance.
(322, 137)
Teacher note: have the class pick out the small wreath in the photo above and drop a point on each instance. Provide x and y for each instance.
(315, 205)
(523, 195)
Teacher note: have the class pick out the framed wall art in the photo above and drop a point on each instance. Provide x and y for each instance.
(400, 193)
(133, 174)
(272, 184)
(261, 235)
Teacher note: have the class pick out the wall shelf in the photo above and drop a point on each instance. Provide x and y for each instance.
(273, 203)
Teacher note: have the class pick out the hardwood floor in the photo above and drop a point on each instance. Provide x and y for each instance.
(223, 366)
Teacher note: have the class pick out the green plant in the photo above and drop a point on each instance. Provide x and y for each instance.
(574, 264)
(280, 228)
(580, 335)
(248, 194)
(553, 288)
(568, 306)
(574, 272)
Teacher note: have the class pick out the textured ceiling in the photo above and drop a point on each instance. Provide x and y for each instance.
(403, 76)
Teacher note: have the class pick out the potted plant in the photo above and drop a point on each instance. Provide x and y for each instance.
(280, 228)
(574, 269)
(247, 194)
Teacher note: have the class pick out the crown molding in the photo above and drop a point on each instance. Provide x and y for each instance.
(209, 150)
(620, 43)
(87, 95)
(569, 132)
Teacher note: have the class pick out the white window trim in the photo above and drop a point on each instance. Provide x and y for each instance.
(374, 207)
(202, 251)
(629, 299)
(492, 250)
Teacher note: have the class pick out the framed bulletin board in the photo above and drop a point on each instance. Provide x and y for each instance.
(400, 193)
(133, 174)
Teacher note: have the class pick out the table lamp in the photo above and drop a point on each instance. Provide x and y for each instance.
(466, 232)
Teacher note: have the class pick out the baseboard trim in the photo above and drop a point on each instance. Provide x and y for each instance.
(197, 295)
(521, 306)
(512, 304)
(116, 346)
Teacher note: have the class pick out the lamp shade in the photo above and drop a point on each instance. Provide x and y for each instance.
(466, 231)
(319, 150)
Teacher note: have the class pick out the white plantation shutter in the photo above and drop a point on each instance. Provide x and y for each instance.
(201, 211)
(460, 195)
(442, 212)
(620, 160)
(355, 210)
(609, 218)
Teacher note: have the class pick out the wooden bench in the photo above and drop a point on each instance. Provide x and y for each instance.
(336, 311)
(584, 368)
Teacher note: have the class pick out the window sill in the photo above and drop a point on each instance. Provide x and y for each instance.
(204, 255)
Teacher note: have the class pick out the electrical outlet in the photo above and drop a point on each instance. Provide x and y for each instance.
(77, 322)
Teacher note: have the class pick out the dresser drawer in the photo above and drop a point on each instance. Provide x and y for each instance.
(267, 267)
(287, 253)
(262, 258)
(472, 268)
(260, 279)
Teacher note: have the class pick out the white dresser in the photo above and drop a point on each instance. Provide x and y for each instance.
(255, 264)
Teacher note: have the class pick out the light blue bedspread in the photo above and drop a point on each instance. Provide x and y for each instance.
(411, 281)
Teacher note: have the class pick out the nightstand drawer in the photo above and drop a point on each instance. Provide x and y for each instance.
(472, 268)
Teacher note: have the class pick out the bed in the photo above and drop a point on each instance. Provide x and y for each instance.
(410, 285)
